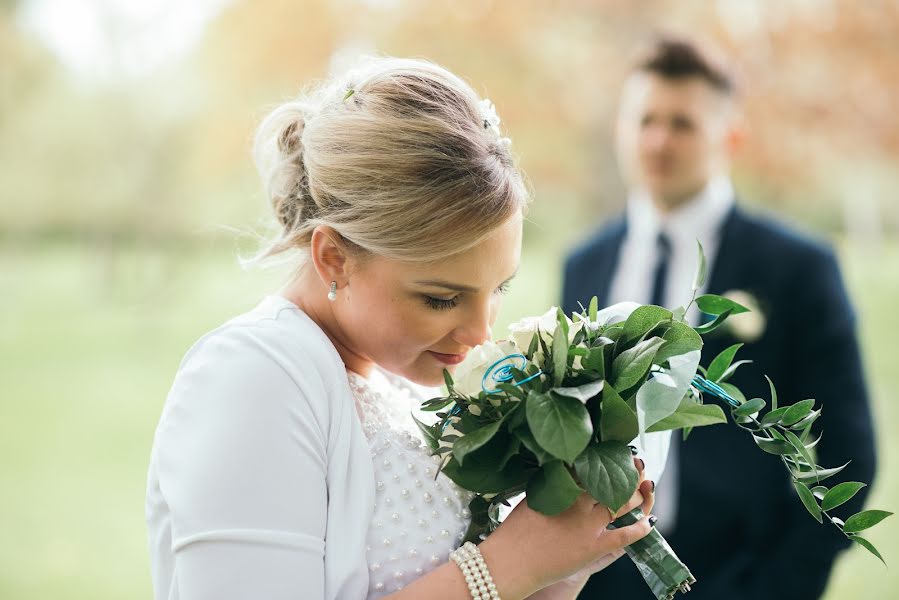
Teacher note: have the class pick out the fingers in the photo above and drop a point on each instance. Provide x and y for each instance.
(625, 536)
(641, 466)
(648, 491)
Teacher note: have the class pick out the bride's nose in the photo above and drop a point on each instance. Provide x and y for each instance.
(475, 329)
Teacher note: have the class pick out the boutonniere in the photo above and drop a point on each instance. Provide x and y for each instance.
(749, 326)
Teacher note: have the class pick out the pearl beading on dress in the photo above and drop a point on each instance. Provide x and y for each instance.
(420, 515)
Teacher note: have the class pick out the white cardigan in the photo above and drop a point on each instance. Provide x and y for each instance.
(258, 459)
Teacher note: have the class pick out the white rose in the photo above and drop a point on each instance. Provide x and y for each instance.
(469, 375)
(523, 331)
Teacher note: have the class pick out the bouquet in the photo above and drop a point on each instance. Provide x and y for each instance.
(552, 410)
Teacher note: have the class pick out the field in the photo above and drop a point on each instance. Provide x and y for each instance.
(91, 334)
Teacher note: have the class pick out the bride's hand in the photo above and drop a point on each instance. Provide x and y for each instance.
(560, 552)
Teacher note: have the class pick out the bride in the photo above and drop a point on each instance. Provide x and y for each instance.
(286, 463)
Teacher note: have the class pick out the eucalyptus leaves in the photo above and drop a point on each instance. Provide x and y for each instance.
(579, 390)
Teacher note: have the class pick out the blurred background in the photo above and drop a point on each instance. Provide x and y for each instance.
(127, 193)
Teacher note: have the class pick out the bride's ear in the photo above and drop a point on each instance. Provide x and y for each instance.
(330, 256)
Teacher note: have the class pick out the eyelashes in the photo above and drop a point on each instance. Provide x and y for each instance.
(448, 303)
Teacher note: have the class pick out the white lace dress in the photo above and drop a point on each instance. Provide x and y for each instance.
(418, 519)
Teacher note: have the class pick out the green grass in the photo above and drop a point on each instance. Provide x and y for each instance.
(90, 337)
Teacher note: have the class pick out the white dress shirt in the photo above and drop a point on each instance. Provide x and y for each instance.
(701, 219)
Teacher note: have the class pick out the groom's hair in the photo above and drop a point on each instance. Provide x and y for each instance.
(676, 58)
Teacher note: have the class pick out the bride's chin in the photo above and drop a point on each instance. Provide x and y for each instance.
(427, 375)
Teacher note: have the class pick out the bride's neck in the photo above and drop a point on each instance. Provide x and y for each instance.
(305, 291)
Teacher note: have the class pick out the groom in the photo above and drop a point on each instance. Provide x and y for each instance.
(729, 509)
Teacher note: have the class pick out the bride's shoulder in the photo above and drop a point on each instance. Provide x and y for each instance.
(274, 337)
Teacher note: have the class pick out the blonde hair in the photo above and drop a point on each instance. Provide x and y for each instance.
(396, 156)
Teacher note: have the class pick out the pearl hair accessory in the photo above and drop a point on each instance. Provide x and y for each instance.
(491, 120)
(474, 569)
(332, 293)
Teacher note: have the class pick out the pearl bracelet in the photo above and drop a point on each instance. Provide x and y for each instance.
(475, 571)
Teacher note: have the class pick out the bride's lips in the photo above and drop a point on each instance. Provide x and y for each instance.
(448, 359)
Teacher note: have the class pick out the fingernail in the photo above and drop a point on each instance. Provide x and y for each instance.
(653, 520)
(653, 486)
(633, 450)
(642, 464)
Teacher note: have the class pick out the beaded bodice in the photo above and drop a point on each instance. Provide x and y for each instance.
(420, 516)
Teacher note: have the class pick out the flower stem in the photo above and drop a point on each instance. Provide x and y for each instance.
(663, 571)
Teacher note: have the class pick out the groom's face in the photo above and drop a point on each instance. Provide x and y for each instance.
(672, 136)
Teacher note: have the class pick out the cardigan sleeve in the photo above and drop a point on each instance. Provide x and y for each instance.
(242, 463)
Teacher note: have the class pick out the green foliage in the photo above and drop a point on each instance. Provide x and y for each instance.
(691, 414)
(607, 471)
(619, 421)
(841, 493)
(631, 366)
(552, 489)
(560, 425)
(718, 305)
(722, 363)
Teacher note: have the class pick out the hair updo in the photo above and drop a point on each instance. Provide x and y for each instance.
(396, 156)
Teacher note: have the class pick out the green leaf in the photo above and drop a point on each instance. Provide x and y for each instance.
(819, 491)
(530, 442)
(691, 414)
(643, 320)
(607, 471)
(731, 370)
(430, 433)
(480, 474)
(718, 305)
(702, 269)
(532, 347)
(435, 404)
(773, 393)
(864, 520)
(593, 309)
(806, 421)
(750, 407)
(448, 380)
(473, 440)
(867, 546)
(582, 392)
(552, 489)
(512, 450)
(797, 412)
(631, 366)
(773, 417)
(595, 361)
(840, 494)
(817, 476)
(560, 354)
(722, 362)
(618, 422)
(803, 451)
(679, 339)
(774, 446)
(560, 425)
(808, 500)
(710, 327)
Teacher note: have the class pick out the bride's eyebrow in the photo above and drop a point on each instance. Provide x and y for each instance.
(458, 287)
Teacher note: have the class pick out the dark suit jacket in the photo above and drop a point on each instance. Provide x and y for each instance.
(740, 527)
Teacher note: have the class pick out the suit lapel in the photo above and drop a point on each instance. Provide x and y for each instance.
(727, 263)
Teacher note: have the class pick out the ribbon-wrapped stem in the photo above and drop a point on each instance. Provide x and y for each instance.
(663, 571)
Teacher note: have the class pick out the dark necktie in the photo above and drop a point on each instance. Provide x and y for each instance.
(660, 275)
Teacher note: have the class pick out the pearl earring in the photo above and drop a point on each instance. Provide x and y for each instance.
(332, 293)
